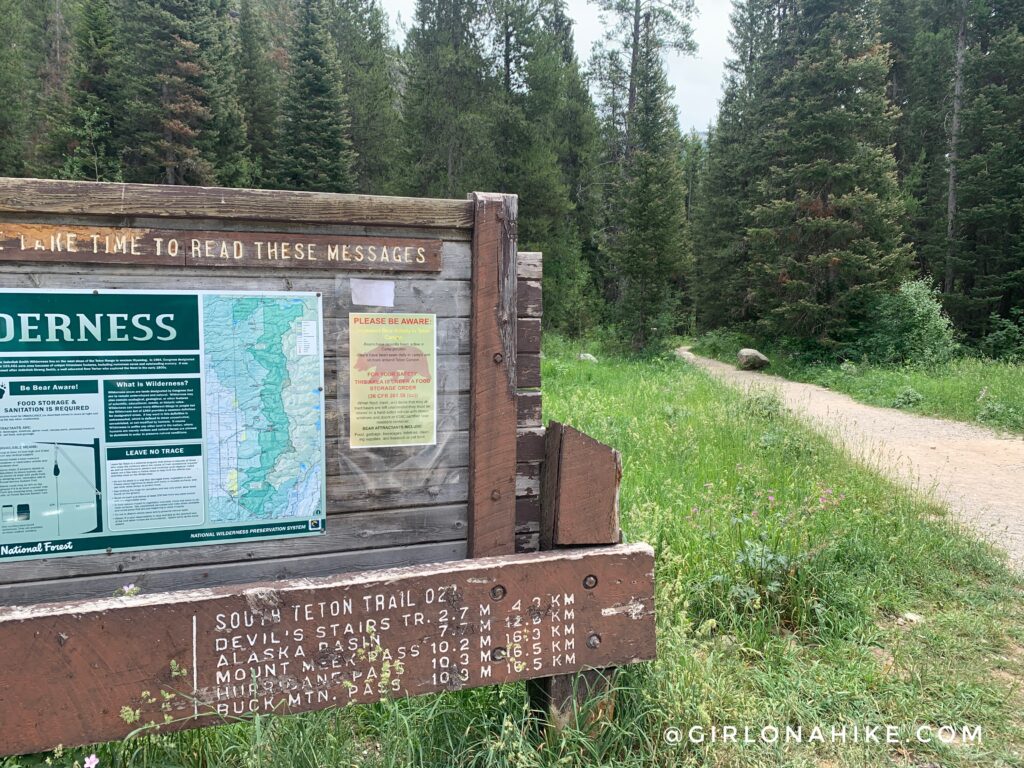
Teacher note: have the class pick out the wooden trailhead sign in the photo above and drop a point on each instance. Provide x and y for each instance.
(267, 452)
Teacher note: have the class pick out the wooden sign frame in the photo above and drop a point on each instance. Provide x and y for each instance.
(469, 266)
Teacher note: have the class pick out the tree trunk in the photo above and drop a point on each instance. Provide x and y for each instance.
(954, 141)
(634, 58)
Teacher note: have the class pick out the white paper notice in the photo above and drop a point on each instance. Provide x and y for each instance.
(373, 293)
(306, 344)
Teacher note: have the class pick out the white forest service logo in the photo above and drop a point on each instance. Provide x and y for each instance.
(3, 390)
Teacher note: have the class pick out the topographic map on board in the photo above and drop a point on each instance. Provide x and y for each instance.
(264, 415)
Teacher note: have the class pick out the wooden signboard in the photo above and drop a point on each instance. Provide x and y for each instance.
(248, 441)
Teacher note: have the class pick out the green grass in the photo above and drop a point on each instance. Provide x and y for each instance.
(783, 569)
(970, 389)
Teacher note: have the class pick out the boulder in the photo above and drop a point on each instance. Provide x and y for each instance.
(587, 357)
(752, 360)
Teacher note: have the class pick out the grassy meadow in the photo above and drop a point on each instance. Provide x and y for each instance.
(793, 588)
(973, 389)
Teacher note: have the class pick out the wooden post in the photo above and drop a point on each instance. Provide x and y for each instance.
(493, 415)
(579, 507)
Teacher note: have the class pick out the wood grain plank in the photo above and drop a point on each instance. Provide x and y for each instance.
(530, 265)
(528, 512)
(531, 303)
(529, 409)
(345, 533)
(153, 581)
(528, 371)
(529, 335)
(580, 496)
(492, 459)
(440, 486)
(459, 236)
(530, 444)
(528, 480)
(160, 201)
(204, 249)
(444, 298)
(456, 260)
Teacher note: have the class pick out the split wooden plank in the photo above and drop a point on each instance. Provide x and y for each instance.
(164, 201)
(493, 410)
(579, 490)
(72, 671)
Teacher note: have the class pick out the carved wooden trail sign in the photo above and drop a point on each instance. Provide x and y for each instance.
(103, 670)
(248, 440)
(111, 245)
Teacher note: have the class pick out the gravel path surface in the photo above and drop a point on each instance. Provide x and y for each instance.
(975, 472)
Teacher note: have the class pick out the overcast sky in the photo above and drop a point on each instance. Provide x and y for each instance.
(697, 79)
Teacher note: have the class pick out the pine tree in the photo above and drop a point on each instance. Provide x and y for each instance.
(826, 241)
(648, 252)
(670, 30)
(720, 283)
(531, 143)
(370, 67)
(49, 57)
(167, 105)
(990, 232)
(447, 100)
(14, 86)
(560, 101)
(317, 148)
(259, 92)
(224, 140)
(88, 142)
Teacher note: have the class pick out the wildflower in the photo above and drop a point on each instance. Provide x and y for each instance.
(92, 761)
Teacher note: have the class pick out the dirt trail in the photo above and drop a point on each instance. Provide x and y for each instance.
(977, 473)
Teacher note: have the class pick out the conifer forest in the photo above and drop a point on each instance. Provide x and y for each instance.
(867, 158)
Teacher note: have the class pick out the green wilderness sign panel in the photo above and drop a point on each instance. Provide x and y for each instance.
(162, 419)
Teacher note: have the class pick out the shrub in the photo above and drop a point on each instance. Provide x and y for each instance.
(1006, 339)
(911, 327)
(907, 398)
(723, 344)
